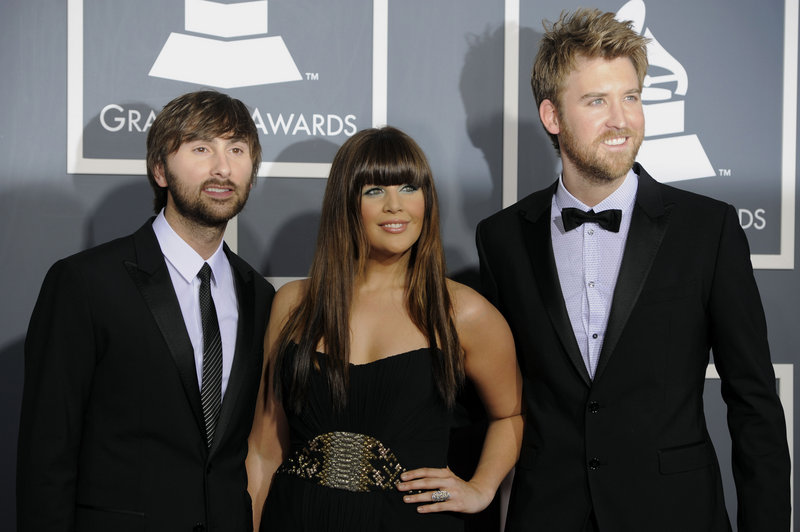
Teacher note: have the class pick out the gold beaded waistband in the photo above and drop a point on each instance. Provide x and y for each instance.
(345, 460)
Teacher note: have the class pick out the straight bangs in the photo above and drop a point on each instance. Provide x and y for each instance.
(392, 161)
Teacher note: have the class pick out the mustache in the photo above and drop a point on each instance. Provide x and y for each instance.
(218, 183)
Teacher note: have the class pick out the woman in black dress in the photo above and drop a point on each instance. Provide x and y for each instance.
(365, 358)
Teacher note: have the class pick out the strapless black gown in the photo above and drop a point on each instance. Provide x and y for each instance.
(393, 410)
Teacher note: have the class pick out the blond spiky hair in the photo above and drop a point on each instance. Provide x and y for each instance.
(586, 33)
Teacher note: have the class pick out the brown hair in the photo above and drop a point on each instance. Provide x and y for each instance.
(586, 33)
(192, 116)
(385, 157)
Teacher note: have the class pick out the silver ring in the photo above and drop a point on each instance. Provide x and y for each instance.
(440, 495)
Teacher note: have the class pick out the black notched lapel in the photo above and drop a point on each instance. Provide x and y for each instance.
(536, 231)
(649, 223)
(152, 278)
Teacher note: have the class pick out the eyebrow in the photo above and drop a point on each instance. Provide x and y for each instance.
(593, 95)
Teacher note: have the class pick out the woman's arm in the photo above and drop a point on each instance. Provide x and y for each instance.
(491, 363)
(269, 438)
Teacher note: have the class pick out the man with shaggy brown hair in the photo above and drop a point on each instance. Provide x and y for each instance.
(143, 355)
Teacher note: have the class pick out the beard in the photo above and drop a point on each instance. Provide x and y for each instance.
(596, 167)
(204, 211)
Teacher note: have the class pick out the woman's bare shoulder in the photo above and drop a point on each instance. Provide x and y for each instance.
(481, 328)
(468, 304)
(287, 298)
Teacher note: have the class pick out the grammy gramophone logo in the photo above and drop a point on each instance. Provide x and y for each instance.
(235, 51)
(667, 151)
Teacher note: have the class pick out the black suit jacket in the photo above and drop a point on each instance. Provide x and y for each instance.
(632, 445)
(111, 433)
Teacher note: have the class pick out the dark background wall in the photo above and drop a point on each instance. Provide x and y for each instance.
(456, 79)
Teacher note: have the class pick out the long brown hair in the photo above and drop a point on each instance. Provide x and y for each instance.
(383, 157)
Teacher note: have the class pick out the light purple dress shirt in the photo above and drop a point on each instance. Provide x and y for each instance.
(183, 264)
(588, 260)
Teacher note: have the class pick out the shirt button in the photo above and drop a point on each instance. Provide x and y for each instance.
(594, 336)
(590, 232)
(594, 407)
(591, 284)
(594, 464)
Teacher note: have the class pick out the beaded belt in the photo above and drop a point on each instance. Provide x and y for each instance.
(345, 460)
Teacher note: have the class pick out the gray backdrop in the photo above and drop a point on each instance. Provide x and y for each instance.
(454, 74)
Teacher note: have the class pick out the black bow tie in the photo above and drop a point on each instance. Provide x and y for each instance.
(608, 220)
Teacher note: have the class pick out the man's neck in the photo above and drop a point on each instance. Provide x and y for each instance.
(587, 190)
(203, 239)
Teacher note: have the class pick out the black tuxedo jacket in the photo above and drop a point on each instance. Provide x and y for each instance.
(632, 445)
(111, 433)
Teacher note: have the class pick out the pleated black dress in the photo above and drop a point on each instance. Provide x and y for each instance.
(343, 464)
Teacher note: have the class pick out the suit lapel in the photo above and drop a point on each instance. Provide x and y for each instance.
(649, 223)
(152, 278)
(536, 215)
(245, 295)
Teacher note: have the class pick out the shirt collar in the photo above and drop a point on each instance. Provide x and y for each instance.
(186, 261)
(622, 198)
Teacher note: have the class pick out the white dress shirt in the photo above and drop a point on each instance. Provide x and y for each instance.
(588, 260)
(183, 264)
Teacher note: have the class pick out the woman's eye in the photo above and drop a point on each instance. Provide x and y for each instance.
(409, 188)
(373, 191)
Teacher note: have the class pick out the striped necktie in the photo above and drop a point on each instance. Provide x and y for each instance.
(211, 387)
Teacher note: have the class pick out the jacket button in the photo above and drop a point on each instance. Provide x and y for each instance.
(594, 407)
(199, 527)
(594, 464)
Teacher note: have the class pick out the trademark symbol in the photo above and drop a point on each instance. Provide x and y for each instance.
(312, 76)
(724, 172)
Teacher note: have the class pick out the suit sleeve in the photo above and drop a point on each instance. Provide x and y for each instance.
(59, 361)
(761, 464)
(488, 283)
